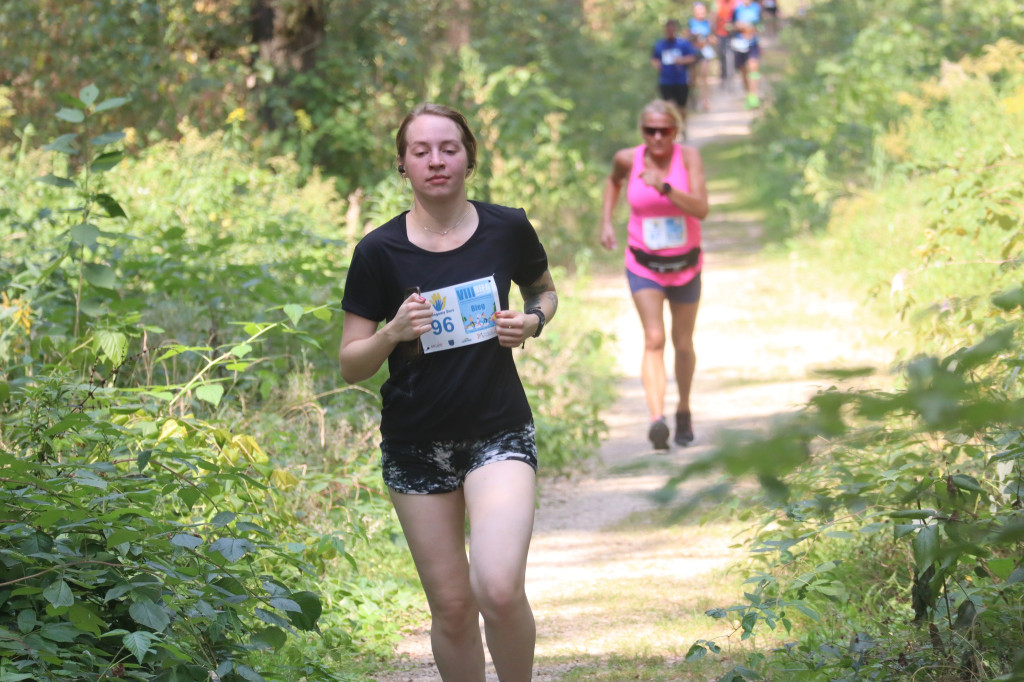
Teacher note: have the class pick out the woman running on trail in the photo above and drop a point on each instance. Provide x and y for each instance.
(668, 198)
(457, 431)
(700, 35)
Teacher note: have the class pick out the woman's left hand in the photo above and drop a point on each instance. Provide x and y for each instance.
(514, 327)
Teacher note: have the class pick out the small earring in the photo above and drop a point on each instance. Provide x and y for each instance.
(401, 169)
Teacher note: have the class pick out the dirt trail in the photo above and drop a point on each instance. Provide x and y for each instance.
(759, 332)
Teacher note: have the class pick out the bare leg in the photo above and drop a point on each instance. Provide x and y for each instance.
(650, 304)
(434, 526)
(500, 499)
(684, 318)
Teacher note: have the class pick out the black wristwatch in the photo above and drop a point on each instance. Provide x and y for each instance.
(665, 188)
(540, 316)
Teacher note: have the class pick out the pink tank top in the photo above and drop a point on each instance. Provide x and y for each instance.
(656, 225)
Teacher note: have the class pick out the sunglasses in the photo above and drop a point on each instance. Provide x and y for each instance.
(651, 131)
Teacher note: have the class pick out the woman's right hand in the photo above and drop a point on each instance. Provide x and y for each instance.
(412, 319)
(608, 238)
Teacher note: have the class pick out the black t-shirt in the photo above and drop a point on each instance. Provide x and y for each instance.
(464, 392)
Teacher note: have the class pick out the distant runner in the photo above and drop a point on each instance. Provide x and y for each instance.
(672, 56)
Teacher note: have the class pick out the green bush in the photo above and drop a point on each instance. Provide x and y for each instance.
(890, 538)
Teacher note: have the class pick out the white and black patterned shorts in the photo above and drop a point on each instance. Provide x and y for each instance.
(442, 466)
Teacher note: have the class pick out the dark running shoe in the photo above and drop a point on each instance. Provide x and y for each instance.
(658, 433)
(684, 430)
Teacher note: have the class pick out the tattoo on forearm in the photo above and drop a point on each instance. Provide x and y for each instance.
(543, 288)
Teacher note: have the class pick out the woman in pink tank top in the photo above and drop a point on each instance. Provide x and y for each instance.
(668, 198)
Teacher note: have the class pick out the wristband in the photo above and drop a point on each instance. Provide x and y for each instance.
(540, 316)
(665, 188)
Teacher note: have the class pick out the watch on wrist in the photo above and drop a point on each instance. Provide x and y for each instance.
(540, 316)
(665, 188)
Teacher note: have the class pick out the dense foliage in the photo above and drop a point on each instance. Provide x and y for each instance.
(847, 62)
(890, 540)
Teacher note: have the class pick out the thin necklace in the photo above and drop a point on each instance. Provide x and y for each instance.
(444, 232)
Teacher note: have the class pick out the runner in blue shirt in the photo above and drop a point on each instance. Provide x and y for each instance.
(672, 56)
(747, 12)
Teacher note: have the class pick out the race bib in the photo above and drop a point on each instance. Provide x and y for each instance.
(664, 233)
(670, 56)
(739, 44)
(708, 52)
(463, 315)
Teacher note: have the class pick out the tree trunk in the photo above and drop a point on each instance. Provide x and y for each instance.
(457, 32)
(287, 39)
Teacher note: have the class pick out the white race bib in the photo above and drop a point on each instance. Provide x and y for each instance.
(669, 56)
(664, 233)
(739, 44)
(463, 315)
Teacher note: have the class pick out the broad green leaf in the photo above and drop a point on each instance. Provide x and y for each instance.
(250, 448)
(269, 638)
(965, 482)
(106, 138)
(294, 312)
(139, 643)
(86, 619)
(241, 350)
(696, 652)
(106, 161)
(70, 115)
(1001, 568)
(51, 179)
(270, 617)
(322, 314)
(110, 205)
(122, 535)
(145, 612)
(186, 540)
(211, 393)
(59, 594)
(232, 549)
(63, 144)
(189, 495)
(85, 234)
(255, 528)
(284, 604)
(222, 519)
(59, 632)
(111, 103)
(88, 94)
(283, 479)
(172, 429)
(27, 621)
(99, 275)
(926, 546)
(311, 610)
(5, 391)
(113, 344)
